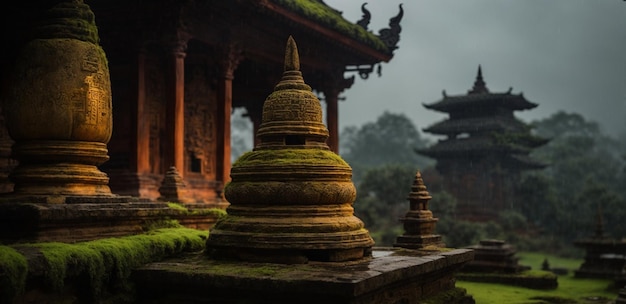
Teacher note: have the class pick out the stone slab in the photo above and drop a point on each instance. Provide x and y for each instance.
(389, 276)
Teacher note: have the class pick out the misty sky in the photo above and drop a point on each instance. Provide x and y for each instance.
(562, 54)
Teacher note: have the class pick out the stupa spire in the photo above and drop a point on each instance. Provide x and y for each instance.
(479, 84)
(292, 59)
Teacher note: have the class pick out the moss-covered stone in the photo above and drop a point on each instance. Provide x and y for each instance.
(328, 17)
(215, 212)
(102, 268)
(290, 157)
(13, 270)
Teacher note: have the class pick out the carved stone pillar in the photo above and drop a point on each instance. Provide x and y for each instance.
(231, 56)
(175, 108)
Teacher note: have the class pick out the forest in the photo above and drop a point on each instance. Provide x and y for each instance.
(586, 174)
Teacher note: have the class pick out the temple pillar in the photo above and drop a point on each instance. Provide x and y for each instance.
(332, 118)
(231, 56)
(332, 85)
(140, 149)
(175, 108)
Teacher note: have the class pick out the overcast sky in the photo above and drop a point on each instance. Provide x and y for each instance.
(562, 54)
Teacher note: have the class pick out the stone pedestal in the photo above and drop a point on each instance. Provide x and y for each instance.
(389, 276)
(494, 256)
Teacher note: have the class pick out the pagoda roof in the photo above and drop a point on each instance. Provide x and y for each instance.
(477, 124)
(479, 97)
(514, 155)
(524, 161)
(471, 145)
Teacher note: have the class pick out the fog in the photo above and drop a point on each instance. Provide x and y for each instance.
(562, 54)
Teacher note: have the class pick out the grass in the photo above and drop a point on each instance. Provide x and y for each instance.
(571, 290)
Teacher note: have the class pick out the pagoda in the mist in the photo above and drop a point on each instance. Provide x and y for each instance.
(485, 149)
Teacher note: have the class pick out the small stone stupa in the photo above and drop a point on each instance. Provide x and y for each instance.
(604, 255)
(291, 197)
(419, 223)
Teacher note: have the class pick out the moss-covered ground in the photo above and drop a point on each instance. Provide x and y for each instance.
(102, 268)
(571, 290)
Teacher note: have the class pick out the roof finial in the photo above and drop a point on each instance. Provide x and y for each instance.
(479, 84)
(292, 59)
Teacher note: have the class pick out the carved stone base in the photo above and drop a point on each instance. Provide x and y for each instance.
(390, 276)
(60, 167)
(142, 185)
(419, 241)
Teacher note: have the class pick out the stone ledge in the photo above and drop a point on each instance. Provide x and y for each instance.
(29, 221)
(390, 276)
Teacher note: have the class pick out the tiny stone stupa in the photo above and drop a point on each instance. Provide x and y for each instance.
(291, 197)
(419, 223)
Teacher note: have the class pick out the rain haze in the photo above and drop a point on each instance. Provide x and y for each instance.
(567, 55)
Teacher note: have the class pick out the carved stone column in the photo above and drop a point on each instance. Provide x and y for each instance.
(231, 56)
(175, 108)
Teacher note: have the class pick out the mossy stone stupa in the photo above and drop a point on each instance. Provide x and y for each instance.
(291, 197)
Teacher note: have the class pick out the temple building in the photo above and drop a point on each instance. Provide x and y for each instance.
(485, 149)
(179, 68)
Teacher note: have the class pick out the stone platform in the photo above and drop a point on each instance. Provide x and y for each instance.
(390, 276)
(35, 219)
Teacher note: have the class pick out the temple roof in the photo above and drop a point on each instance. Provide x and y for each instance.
(513, 154)
(469, 145)
(478, 124)
(479, 97)
(524, 161)
(320, 13)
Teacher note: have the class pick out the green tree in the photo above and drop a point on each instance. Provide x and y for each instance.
(391, 139)
(579, 150)
(586, 167)
(382, 201)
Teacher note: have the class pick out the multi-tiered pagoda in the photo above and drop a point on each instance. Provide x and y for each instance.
(485, 149)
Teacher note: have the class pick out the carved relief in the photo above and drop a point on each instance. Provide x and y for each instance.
(200, 121)
(290, 108)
